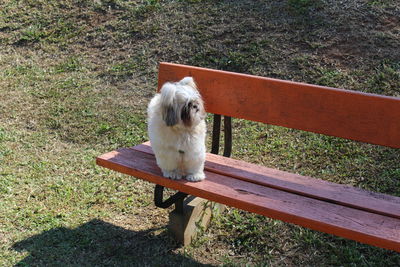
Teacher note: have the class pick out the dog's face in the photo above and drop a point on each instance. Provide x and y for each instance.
(192, 112)
(182, 103)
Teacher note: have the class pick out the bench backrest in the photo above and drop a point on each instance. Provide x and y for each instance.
(342, 113)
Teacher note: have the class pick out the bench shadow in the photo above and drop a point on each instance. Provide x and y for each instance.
(98, 243)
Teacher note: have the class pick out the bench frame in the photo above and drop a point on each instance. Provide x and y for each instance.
(276, 194)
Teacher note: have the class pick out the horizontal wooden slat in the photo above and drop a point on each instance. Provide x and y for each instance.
(326, 217)
(348, 114)
(302, 185)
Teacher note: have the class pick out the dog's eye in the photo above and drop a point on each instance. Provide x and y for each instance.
(194, 106)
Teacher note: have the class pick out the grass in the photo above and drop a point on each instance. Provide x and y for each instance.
(75, 79)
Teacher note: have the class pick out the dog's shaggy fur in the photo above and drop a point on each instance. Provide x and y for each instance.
(177, 130)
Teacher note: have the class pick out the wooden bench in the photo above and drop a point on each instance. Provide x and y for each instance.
(341, 210)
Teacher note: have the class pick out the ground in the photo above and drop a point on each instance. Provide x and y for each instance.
(75, 79)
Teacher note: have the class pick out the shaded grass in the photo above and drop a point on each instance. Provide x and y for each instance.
(75, 78)
(90, 243)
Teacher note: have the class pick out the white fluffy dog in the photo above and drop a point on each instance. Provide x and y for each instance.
(177, 130)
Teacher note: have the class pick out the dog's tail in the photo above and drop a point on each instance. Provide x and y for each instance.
(188, 81)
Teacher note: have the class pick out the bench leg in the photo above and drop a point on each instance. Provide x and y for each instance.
(194, 216)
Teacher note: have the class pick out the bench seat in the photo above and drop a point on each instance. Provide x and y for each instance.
(341, 210)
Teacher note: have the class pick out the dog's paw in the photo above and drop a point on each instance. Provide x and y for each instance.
(196, 177)
(174, 175)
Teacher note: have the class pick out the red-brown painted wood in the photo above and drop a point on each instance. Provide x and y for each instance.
(302, 185)
(362, 226)
(353, 115)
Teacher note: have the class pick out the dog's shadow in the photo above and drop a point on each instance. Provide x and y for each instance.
(98, 243)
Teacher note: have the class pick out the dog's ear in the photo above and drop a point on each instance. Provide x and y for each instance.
(186, 115)
(169, 107)
(201, 110)
(168, 91)
(169, 115)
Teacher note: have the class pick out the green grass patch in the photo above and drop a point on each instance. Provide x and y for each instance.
(75, 80)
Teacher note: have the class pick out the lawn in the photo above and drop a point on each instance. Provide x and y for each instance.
(75, 80)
